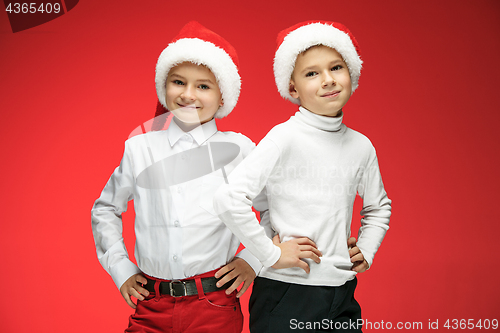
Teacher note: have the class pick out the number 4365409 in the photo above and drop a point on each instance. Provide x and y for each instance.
(26, 8)
(464, 324)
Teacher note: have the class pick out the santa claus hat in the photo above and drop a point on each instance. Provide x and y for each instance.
(300, 37)
(201, 46)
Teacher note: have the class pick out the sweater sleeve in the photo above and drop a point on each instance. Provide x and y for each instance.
(107, 222)
(261, 205)
(376, 210)
(233, 202)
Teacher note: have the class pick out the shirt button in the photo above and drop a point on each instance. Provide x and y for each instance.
(175, 257)
(179, 190)
(176, 223)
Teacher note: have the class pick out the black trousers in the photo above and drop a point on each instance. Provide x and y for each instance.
(277, 307)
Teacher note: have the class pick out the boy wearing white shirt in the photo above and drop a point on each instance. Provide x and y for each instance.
(312, 167)
(171, 175)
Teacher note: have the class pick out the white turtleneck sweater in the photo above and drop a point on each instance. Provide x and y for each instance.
(311, 167)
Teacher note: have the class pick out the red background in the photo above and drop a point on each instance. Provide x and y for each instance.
(74, 88)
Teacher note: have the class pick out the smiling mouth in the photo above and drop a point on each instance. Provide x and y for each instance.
(331, 94)
(188, 106)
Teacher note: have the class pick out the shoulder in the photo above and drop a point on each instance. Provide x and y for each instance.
(282, 134)
(358, 138)
(246, 145)
(360, 145)
(235, 137)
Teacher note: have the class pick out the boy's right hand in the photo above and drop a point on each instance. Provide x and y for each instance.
(294, 250)
(132, 287)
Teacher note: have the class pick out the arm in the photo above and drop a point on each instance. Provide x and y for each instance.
(376, 211)
(261, 205)
(233, 203)
(107, 223)
(245, 266)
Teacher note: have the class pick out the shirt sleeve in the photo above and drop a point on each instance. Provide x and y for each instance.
(107, 222)
(233, 202)
(376, 211)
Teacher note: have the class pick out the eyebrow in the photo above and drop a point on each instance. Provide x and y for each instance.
(182, 77)
(177, 75)
(340, 60)
(313, 67)
(205, 80)
(307, 69)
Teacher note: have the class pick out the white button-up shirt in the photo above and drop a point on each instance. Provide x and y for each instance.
(178, 233)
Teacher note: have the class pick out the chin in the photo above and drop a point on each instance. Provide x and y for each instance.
(186, 116)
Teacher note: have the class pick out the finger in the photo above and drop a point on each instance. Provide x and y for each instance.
(223, 270)
(141, 279)
(351, 242)
(304, 266)
(142, 290)
(243, 289)
(360, 264)
(228, 277)
(225, 279)
(360, 267)
(358, 257)
(128, 300)
(310, 255)
(136, 294)
(305, 241)
(276, 240)
(306, 248)
(353, 251)
(234, 286)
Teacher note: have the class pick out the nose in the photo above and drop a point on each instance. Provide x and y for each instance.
(328, 79)
(188, 94)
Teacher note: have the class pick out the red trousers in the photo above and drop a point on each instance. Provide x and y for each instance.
(203, 313)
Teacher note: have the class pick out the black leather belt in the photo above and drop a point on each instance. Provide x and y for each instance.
(178, 288)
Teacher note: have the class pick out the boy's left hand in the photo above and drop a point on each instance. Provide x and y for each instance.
(239, 269)
(357, 258)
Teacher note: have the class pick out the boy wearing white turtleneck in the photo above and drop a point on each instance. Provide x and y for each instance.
(312, 167)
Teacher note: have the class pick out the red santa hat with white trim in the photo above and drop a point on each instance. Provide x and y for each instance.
(201, 46)
(302, 36)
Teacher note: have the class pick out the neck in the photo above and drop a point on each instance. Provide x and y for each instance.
(325, 123)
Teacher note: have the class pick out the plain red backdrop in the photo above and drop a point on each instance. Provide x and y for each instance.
(73, 89)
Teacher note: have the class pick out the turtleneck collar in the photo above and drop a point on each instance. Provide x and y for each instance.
(330, 124)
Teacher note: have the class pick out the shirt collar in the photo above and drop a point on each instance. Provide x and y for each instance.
(200, 134)
(330, 124)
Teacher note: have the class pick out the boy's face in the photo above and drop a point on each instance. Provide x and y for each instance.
(192, 94)
(321, 81)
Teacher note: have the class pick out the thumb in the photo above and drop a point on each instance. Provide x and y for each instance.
(276, 240)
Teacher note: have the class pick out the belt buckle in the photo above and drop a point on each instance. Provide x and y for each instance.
(171, 287)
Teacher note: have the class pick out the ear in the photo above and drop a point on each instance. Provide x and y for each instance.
(221, 102)
(291, 89)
